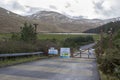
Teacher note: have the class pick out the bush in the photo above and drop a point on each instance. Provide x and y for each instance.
(109, 61)
(15, 36)
(28, 33)
(12, 46)
(16, 47)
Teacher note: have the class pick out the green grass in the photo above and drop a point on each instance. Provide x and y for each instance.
(61, 36)
(49, 36)
(5, 35)
(8, 62)
(54, 36)
(96, 37)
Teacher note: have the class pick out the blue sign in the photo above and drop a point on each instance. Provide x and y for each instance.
(52, 51)
(65, 52)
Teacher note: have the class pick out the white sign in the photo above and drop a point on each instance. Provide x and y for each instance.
(52, 51)
(65, 52)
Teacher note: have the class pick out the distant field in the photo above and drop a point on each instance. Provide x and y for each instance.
(5, 35)
(55, 36)
(63, 36)
(50, 36)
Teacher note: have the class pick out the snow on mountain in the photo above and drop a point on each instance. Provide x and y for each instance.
(8, 12)
(48, 21)
(64, 22)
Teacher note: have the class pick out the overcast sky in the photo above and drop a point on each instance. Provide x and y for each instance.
(88, 8)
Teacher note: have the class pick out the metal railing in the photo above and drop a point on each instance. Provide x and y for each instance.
(21, 54)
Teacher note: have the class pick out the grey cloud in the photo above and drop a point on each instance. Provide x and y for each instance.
(114, 10)
(13, 5)
(3, 5)
(32, 10)
(71, 11)
(53, 7)
(16, 6)
(76, 1)
(98, 7)
(67, 5)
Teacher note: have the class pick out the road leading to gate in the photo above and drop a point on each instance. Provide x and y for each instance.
(53, 69)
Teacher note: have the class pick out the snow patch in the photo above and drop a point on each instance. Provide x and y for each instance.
(8, 12)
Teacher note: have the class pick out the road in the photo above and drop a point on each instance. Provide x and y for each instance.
(87, 46)
(53, 69)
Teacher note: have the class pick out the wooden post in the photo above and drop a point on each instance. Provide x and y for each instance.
(72, 54)
(80, 53)
(110, 38)
(101, 42)
(35, 27)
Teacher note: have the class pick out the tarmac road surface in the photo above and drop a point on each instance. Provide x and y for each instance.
(52, 69)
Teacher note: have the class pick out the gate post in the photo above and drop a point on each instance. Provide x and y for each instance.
(80, 53)
(88, 53)
(72, 54)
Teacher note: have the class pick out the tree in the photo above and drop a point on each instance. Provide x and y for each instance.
(28, 33)
(109, 61)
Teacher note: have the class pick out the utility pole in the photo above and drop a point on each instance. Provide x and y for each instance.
(101, 41)
(110, 38)
(35, 27)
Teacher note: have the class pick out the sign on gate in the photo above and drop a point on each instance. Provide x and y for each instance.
(65, 52)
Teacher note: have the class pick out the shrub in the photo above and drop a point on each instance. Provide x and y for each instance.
(16, 47)
(12, 46)
(110, 61)
(15, 36)
(28, 33)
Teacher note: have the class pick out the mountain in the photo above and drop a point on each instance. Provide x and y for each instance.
(49, 16)
(48, 21)
(10, 22)
(56, 22)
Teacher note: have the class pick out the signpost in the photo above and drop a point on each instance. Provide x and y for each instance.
(65, 52)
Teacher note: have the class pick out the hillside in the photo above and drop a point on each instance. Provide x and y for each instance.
(10, 22)
(114, 25)
(56, 22)
(48, 21)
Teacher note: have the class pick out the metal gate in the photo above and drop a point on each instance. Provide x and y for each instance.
(84, 53)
